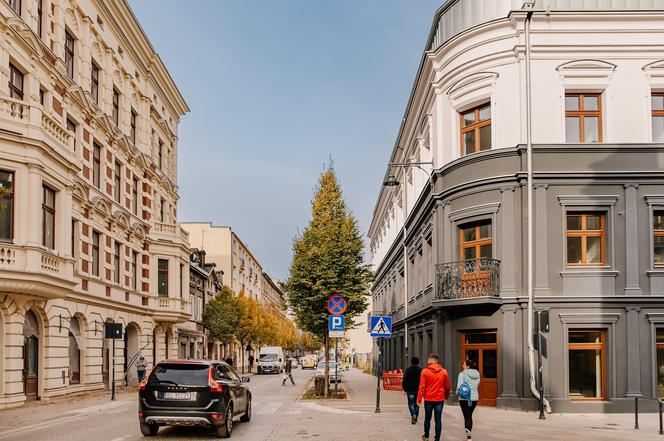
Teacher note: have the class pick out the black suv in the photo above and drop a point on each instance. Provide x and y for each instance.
(193, 393)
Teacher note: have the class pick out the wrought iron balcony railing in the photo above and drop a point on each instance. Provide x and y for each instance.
(468, 279)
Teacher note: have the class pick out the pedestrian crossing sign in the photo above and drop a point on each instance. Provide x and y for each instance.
(381, 326)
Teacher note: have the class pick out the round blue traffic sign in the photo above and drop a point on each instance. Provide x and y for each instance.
(336, 305)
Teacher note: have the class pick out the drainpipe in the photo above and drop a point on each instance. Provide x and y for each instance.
(405, 266)
(528, 6)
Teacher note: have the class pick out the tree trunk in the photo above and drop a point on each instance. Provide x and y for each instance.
(242, 352)
(327, 366)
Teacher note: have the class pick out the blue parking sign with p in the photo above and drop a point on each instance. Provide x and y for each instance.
(336, 323)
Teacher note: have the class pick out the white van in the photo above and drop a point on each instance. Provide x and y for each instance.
(271, 360)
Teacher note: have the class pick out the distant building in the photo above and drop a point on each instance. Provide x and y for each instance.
(204, 284)
(273, 294)
(242, 271)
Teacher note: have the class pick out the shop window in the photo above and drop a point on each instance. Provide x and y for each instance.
(586, 364)
(583, 118)
(585, 237)
(476, 129)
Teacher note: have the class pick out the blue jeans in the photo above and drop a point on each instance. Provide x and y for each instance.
(412, 403)
(437, 408)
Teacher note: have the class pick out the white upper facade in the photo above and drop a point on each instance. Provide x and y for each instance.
(611, 50)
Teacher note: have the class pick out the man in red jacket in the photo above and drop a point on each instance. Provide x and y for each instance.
(434, 390)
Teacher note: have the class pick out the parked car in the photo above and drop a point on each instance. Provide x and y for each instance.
(271, 360)
(320, 371)
(193, 393)
(308, 362)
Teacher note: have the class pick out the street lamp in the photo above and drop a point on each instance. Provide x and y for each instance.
(392, 181)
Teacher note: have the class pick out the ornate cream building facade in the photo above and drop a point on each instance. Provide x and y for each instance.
(88, 149)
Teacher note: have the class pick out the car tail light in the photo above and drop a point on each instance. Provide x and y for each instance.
(214, 386)
(141, 385)
(140, 414)
(216, 416)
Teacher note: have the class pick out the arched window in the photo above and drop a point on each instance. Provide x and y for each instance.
(76, 344)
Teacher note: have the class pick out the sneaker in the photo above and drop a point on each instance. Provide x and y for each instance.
(425, 438)
(413, 419)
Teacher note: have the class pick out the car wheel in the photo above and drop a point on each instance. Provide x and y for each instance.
(247, 413)
(226, 429)
(149, 429)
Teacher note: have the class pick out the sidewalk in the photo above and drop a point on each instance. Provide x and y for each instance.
(490, 423)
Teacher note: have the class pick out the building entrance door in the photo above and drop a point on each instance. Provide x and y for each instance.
(31, 356)
(482, 347)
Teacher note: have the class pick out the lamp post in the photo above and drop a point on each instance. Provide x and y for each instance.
(392, 181)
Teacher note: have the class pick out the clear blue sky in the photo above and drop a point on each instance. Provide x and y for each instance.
(275, 88)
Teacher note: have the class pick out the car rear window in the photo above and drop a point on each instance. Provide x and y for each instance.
(181, 374)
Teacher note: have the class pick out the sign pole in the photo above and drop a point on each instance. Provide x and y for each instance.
(113, 373)
(336, 368)
(378, 375)
(539, 360)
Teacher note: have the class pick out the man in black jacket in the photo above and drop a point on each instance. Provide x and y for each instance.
(410, 385)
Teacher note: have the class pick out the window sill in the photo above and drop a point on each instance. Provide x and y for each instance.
(657, 272)
(589, 271)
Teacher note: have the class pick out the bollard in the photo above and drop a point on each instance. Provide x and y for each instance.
(636, 413)
(661, 426)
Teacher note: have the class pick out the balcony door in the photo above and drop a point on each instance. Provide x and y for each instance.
(482, 347)
(476, 251)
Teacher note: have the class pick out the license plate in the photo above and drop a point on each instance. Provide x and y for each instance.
(177, 395)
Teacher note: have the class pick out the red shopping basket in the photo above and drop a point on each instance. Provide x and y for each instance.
(392, 380)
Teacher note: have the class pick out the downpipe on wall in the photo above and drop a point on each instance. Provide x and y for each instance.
(528, 6)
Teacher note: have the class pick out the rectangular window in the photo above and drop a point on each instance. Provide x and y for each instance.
(657, 100)
(117, 182)
(134, 196)
(6, 205)
(658, 237)
(660, 362)
(585, 237)
(73, 239)
(160, 154)
(116, 107)
(162, 206)
(15, 82)
(96, 165)
(94, 82)
(116, 261)
(162, 274)
(48, 217)
(476, 240)
(41, 96)
(586, 364)
(40, 17)
(476, 129)
(583, 118)
(134, 269)
(15, 5)
(71, 126)
(132, 124)
(69, 54)
(95, 253)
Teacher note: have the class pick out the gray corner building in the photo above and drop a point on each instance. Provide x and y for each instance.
(580, 83)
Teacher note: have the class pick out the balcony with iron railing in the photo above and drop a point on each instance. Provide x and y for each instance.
(468, 279)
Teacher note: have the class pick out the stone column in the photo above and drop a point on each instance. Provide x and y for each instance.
(106, 86)
(631, 242)
(507, 242)
(540, 247)
(509, 351)
(633, 352)
(447, 239)
(34, 193)
(58, 23)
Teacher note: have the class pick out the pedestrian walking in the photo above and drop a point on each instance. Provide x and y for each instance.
(467, 384)
(410, 385)
(434, 390)
(141, 367)
(251, 362)
(288, 367)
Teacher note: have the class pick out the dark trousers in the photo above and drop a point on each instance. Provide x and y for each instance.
(435, 407)
(288, 375)
(412, 403)
(141, 374)
(467, 408)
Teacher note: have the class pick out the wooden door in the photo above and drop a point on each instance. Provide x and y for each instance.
(31, 368)
(482, 347)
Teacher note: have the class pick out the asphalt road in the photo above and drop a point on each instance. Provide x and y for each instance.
(117, 420)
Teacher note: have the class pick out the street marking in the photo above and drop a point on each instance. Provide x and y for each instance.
(104, 406)
(122, 437)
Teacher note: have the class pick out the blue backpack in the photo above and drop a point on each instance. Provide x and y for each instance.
(464, 390)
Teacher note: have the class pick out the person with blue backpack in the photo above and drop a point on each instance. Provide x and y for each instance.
(467, 384)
